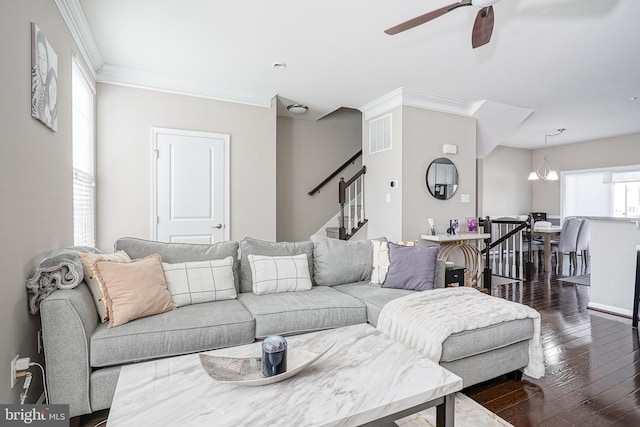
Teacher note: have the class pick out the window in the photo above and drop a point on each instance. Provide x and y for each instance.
(84, 190)
(602, 192)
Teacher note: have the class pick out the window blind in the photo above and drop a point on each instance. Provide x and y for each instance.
(84, 190)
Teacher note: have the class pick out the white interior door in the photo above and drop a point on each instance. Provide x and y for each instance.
(191, 180)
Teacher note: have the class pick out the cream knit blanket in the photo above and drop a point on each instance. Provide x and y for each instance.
(424, 320)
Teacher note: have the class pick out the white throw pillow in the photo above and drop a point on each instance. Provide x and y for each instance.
(200, 281)
(380, 265)
(273, 274)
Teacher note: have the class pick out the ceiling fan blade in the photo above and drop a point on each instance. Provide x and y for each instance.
(407, 25)
(483, 27)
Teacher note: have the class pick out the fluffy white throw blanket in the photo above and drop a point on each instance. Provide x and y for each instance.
(424, 320)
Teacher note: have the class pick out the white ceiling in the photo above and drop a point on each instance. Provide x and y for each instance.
(574, 63)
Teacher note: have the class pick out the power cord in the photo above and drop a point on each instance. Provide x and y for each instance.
(44, 381)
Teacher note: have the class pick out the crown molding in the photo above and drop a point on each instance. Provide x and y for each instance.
(154, 81)
(419, 99)
(74, 17)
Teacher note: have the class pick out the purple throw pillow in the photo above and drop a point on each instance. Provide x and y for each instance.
(412, 267)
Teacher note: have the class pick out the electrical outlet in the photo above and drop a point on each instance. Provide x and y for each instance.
(13, 370)
(39, 341)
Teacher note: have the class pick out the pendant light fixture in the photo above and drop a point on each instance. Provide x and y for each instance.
(544, 171)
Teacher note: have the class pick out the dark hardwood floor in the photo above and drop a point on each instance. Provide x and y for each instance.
(592, 362)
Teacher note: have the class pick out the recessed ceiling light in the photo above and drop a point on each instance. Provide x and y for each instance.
(297, 108)
(634, 98)
(279, 65)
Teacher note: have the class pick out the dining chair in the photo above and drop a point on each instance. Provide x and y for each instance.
(582, 245)
(568, 243)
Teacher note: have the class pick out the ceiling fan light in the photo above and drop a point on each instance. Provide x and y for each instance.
(533, 176)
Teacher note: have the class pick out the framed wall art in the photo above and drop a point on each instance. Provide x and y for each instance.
(44, 79)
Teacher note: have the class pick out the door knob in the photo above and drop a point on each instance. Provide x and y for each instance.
(217, 226)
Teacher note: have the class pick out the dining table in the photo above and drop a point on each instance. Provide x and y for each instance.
(548, 232)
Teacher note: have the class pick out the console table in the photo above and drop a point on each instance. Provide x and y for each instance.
(464, 242)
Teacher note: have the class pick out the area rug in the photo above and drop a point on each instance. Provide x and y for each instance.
(580, 280)
(468, 414)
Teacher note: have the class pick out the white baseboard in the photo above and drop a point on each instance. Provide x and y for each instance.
(610, 309)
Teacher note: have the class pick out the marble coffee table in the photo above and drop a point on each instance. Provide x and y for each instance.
(365, 378)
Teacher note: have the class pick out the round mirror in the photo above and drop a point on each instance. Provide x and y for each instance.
(442, 178)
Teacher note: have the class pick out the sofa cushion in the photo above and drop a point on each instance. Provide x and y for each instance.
(200, 281)
(299, 312)
(374, 297)
(412, 268)
(134, 289)
(188, 329)
(181, 252)
(380, 260)
(477, 341)
(252, 246)
(275, 274)
(341, 261)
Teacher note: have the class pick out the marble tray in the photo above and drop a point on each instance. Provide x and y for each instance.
(247, 371)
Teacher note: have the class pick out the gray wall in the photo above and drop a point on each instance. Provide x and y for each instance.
(503, 188)
(307, 152)
(423, 134)
(125, 118)
(385, 218)
(599, 153)
(418, 135)
(35, 177)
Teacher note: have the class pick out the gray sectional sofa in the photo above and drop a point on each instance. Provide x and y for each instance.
(84, 356)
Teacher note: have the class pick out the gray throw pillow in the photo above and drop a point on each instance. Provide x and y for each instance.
(412, 267)
(336, 262)
(173, 253)
(250, 246)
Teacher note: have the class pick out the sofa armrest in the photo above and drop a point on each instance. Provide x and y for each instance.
(69, 317)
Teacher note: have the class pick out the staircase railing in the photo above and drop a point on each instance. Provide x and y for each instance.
(510, 240)
(351, 194)
(334, 173)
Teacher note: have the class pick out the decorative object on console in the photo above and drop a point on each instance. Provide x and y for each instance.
(411, 267)
(273, 274)
(200, 281)
(472, 225)
(454, 227)
(274, 356)
(432, 227)
(134, 289)
(544, 171)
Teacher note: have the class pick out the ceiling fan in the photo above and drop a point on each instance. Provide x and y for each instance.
(482, 28)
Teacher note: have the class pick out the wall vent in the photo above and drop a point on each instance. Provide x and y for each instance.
(380, 134)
